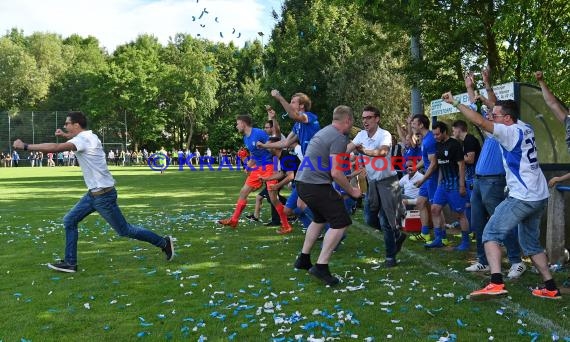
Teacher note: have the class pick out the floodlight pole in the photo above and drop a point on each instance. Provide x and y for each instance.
(126, 130)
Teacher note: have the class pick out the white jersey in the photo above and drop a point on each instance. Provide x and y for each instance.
(525, 179)
(377, 168)
(91, 159)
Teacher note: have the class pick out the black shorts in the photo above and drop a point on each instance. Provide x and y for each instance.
(326, 204)
(264, 193)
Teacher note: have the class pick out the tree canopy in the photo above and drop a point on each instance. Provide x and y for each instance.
(187, 93)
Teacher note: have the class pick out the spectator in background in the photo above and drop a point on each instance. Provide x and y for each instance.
(408, 184)
(15, 158)
(111, 157)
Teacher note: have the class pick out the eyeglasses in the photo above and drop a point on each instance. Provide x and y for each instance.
(368, 117)
(267, 127)
(496, 115)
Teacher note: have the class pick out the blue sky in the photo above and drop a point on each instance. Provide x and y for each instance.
(116, 22)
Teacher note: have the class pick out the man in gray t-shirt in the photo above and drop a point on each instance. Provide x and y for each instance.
(324, 162)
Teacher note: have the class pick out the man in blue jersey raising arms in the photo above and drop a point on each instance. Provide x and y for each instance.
(528, 195)
(260, 166)
(305, 127)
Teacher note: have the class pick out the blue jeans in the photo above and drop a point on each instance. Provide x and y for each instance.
(106, 206)
(486, 195)
(525, 214)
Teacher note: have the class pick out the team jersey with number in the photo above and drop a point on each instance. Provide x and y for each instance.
(525, 179)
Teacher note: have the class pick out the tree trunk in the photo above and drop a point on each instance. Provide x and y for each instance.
(190, 130)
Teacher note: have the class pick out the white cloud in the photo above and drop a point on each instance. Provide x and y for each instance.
(116, 22)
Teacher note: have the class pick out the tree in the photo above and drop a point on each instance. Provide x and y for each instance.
(188, 87)
(132, 90)
(22, 84)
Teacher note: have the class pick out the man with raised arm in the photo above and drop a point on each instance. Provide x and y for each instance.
(555, 106)
(528, 195)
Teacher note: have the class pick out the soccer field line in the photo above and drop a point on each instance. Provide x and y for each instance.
(458, 278)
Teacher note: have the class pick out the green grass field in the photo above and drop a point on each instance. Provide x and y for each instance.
(226, 285)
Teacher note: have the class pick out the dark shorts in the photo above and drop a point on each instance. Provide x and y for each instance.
(264, 193)
(326, 204)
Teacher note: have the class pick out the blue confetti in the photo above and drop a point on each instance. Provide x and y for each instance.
(142, 334)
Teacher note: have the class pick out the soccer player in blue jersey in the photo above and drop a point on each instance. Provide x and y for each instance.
(528, 195)
(305, 127)
(261, 166)
(420, 124)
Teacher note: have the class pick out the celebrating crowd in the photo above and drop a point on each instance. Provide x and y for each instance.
(496, 192)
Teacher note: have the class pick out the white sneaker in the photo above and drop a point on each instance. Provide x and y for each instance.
(478, 267)
(516, 270)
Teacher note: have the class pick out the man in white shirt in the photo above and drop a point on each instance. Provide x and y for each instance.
(528, 195)
(384, 208)
(411, 191)
(101, 197)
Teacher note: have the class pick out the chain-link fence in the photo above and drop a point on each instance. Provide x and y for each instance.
(34, 127)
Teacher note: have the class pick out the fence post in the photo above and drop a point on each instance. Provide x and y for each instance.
(555, 227)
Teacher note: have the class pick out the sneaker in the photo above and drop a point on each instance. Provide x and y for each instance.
(437, 243)
(169, 248)
(388, 263)
(285, 229)
(425, 238)
(544, 293)
(324, 276)
(490, 290)
(516, 270)
(228, 222)
(478, 267)
(462, 247)
(252, 217)
(63, 266)
(400, 241)
(302, 265)
(272, 224)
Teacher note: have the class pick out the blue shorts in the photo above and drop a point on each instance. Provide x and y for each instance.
(512, 212)
(292, 200)
(452, 197)
(427, 189)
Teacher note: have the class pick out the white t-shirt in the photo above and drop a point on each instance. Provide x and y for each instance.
(410, 190)
(377, 168)
(91, 159)
(525, 179)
